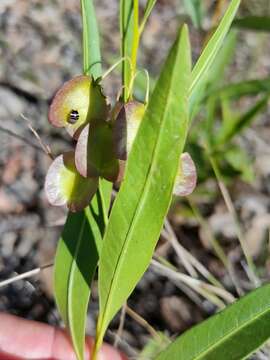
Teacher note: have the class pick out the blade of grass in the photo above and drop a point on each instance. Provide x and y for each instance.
(210, 51)
(257, 23)
(243, 88)
(179, 249)
(147, 11)
(215, 245)
(216, 75)
(228, 201)
(235, 126)
(209, 292)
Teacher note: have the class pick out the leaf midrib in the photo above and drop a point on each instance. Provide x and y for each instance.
(230, 334)
(140, 200)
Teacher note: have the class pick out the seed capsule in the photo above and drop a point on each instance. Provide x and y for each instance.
(73, 117)
(77, 103)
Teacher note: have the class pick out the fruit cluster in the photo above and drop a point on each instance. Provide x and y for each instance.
(104, 136)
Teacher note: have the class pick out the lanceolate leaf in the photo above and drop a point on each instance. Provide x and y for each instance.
(216, 75)
(91, 47)
(75, 265)
(233, 334)
(145, 195)
(147, 11)
(209, 53)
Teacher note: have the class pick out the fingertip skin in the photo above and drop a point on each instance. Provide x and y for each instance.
(22, 339)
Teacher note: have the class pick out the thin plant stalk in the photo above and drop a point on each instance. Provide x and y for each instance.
(25, 275)
(212, 239)
(209, 292)
(229, 204)
(141, 321)
(114, 66)
(195, 263)
(191, 293)
(216, 245)
(181, 254)
(216, 289)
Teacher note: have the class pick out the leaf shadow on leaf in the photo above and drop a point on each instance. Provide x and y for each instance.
(86, 253)
(96, 211)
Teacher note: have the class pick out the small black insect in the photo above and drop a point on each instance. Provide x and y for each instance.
(73, 117)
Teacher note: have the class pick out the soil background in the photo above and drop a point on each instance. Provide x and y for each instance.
(40, 48)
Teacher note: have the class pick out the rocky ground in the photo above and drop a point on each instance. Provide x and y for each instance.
(40, 47)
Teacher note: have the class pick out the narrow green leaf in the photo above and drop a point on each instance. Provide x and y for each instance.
(145, 195)
(257, 23)
(147, 11)
(235, 126)
(195, 11)
(126, 32)
(209, 53)
(243, 88)
(216, 76)
(239, 160)
(223, 60)
(234, 333)
(75, 265)
(91, 47)
(76, 261)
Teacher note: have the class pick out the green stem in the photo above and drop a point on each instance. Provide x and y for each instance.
(136, 39)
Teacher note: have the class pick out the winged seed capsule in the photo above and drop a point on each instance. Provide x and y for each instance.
(65, 186)
(125, 129)
(77, 103)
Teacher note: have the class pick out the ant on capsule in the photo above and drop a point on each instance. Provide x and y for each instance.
(73, 117)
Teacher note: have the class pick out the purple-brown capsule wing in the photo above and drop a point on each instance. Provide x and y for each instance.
(125, 127)
(186, 179)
